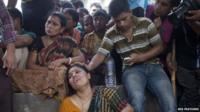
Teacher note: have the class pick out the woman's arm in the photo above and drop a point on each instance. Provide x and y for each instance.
(77, 56)
(23, 40)
(31, 62)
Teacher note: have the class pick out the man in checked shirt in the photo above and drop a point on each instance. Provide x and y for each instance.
(8, 64)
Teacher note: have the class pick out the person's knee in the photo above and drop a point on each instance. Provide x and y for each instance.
(136, 98)
(137, 101)
(169, 103)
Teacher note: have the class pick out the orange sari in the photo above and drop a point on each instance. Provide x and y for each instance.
(68, 106)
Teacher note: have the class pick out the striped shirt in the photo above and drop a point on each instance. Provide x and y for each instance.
(7, 32)
(145, 36)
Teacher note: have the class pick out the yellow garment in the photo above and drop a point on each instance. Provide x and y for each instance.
(68, 106)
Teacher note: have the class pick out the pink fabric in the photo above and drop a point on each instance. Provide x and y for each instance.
(76, 35)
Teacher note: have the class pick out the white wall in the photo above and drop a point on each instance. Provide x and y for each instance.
(17, 6)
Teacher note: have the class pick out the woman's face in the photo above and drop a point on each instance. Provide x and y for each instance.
(53, 26)
(162, 7)
(70, 21)
(93, 9)
(78, 77)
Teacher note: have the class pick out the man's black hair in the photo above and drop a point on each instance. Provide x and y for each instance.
(102, 13)
(63, 20)
(83, 10)
(77, 3)
(15, 13)
(66, 4)
(116, 7)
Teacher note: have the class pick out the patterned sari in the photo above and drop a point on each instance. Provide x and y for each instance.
(49, 83)
(103, 100)
(61, 48)
(107, 100)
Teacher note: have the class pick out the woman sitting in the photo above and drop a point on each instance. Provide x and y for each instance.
(84, 98)
(46, 72)
(72, 20)
(43, 52)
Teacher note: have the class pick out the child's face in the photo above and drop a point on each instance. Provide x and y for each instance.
(162, 7)
(88, 24)
(99, 23)
(70, 21)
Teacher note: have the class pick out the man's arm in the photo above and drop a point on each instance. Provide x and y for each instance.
(96, 61)
(23, 40)
(9, 61)
(142, 57)
(9, 37)
(195, 25)
(153, 52)
(156, 43)
(12, 3)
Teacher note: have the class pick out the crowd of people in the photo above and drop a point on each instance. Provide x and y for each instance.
(62, 50)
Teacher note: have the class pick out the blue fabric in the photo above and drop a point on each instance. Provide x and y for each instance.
(152, 76)
(138, 3)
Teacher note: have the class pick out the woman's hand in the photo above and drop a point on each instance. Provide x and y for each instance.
(58, 63)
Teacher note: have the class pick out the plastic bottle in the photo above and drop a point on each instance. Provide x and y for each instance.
(110, 78)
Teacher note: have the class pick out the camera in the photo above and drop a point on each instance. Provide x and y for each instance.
(177, 14)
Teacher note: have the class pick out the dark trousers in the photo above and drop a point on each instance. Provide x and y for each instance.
(188, 88)
(5, 92)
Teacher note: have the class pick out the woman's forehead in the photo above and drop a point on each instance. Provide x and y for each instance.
(74, 68)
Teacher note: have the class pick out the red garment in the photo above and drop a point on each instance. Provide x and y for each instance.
(76, 35)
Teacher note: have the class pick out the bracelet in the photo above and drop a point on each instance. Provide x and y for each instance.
(70, 60)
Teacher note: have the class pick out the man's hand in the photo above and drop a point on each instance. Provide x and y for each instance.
(9, 59)
(134, 58)
(171, 64)
(158, 22)
(194, 15)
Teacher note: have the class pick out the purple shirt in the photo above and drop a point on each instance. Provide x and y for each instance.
(166, 28)
(6, 25)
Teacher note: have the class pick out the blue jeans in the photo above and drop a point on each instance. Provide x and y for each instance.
(137, 77)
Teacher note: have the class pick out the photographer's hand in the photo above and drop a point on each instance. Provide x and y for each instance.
(158, 22)
(195, 25)
(194, 15)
